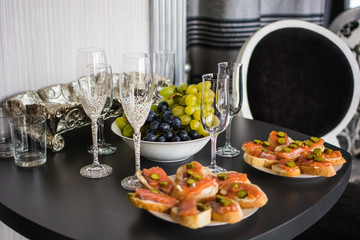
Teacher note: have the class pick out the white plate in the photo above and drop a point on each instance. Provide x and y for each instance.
(165, 216)
(268, 170)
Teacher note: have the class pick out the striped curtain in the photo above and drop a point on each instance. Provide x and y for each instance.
(216, 29)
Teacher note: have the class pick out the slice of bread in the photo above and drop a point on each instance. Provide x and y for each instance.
(318, 171)
(228, 216)
(148, 204)
(198, 220)
(259, 162)
(279, 170)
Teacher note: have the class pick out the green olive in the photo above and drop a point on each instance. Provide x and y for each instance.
(317, 151)
(290, 164)
(196, 177)
(266, 144)
(155, 191)
(314, 139)
(155, 176)
(191, 182)
(222, 176)
(164, 183)
(286, 149)
(219, 197)
(281, 134)
(257, 141)
(242, 194)
(234, 185)
(131, 195)
(299, 143)
(308, 143)
(225, 202)
(328, 150)
(202, 207)
(190, 165)
(319, 158)
(293, 145)
(189, 173)
(310, 156)
(264, 150)
(281, 141)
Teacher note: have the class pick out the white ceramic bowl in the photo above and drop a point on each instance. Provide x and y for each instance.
(165, 151)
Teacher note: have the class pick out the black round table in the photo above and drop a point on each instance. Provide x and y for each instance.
(54, 202)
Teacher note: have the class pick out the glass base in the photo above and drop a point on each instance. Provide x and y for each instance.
(216, 169)
(104, 149)
(96, 171)
(6, 150)
(130, 183)
(227, 151)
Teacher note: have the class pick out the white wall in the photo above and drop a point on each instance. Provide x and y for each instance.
(39, 38)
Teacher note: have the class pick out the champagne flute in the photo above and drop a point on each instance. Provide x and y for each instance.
(92, 55)
(233, 69)
(104, 147)
(92, 90)
(214, 110)
(136, 91)
(164, 71)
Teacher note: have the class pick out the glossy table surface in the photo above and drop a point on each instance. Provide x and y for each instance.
(54, 202)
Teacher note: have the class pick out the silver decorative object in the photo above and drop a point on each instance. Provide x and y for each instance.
(61, 107)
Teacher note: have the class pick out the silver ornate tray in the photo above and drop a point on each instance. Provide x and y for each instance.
(61, 107)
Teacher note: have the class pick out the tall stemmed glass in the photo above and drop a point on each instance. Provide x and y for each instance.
(233, 69)
(214, 110)
(92, 90)
(136, 92)
(92, 55)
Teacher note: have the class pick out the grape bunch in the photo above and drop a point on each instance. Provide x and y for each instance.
(176, 117)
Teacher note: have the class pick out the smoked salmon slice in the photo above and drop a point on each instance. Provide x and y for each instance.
(158, 179)
(146, 194)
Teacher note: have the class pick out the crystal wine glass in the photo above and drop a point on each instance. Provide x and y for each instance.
(214, 110)
(92, 90)
(233, 69)
(136, 91)
(92, 55)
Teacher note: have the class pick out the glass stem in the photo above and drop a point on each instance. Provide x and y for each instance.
(137, 139)
(94, 131)
(101, 137)
(213, 138)
(228, 134)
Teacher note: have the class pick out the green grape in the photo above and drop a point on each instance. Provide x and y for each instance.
(197, 106)
(198, 97)
(182, 88)
(201, 131)
(182, 100)
(194, 124)
(178, 111)
(154, 107)
(190, 100)
(189, 110)
(191, 89)
(207, 85)
(208, 108)
(208, 119)
(185, 119)
(206, 96)
(199, 86)
(197, 114)
(167, 91)
(169, 101)
(121, 122)
(128, 131)
(211, 95)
